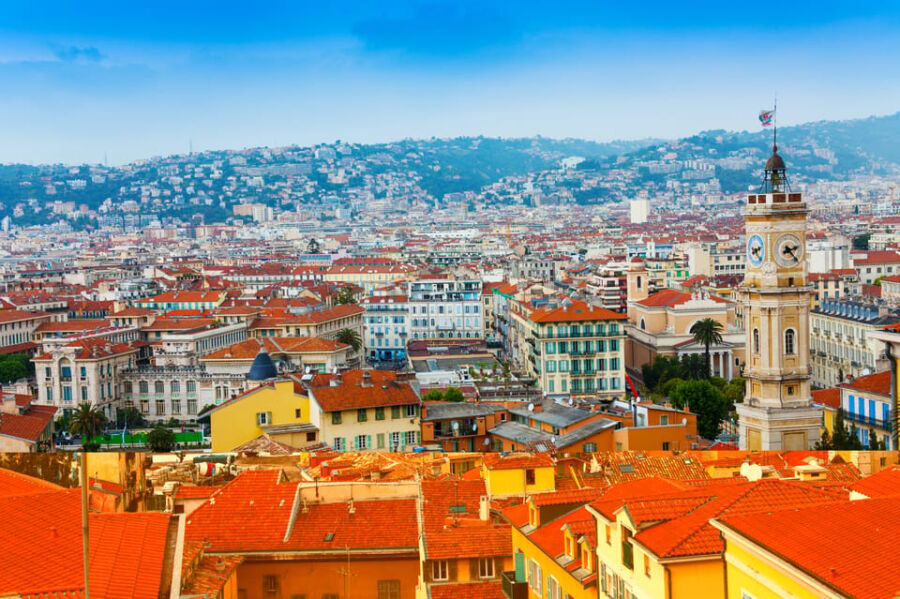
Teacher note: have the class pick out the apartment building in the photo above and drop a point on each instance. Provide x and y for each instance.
(840, 346)
(573, 348)
(445, 308)
(385, 333)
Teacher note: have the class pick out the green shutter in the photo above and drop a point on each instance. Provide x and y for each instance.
(520, 566)
(380, 439)
(369, 441)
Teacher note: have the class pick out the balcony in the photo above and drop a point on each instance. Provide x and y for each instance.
(513, 589)
(868, 421)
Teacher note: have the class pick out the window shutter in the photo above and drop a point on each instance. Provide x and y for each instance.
(498, 566)
(474, 574)
(368, 441)
(451, 570)
(355, 445)
(547, 589)
(429, 568)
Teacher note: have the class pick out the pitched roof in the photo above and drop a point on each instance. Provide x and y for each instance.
(850, 547)
(353, 394)
(827, 397)
(577, 311)
(249, 348)
(466, 590)
(41, 537)
(673, 297)
(879, 383)
(13, 484)
(231, 520)
(495, 461)
(880, 484)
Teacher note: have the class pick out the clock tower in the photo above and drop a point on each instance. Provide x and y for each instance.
(778, 412)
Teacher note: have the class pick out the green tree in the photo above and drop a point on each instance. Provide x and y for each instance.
(735, 389)
(704, 400)
(433, 395)
(89, 422)
(130, 417)
(824, 443)
(453, 394)
(662, 369)
(669, 386)
(350, 337)
(707, 332)
(346, 296)
(874, 443)
(693, 367)
(161, 440)
(14, 367)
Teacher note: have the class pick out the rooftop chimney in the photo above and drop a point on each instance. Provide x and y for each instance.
(366, 379)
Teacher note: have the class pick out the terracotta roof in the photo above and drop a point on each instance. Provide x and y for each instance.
(828, 397)
(95, 348)
(229, 521)
(29, 425)
(577, 311)
(351, 394)
(878, 383)
(13, 484)
(673, 297)
(466, 590)
(484, 540)
(495, 461)
(850, 546)
(249, 348)
(41, 541)
(196, 491)
(18, 315)
(881, 484)
(73, 326)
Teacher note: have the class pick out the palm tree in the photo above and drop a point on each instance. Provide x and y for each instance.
(350, 337)
(87, 421)
(707, 332)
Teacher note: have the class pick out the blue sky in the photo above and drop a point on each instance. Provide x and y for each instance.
(133, 80)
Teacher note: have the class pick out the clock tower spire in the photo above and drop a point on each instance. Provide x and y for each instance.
(778, 412)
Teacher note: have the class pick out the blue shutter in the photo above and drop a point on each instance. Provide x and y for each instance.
(872, 415)
(862, 406)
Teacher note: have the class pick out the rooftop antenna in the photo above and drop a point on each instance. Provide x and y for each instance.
(190, 147)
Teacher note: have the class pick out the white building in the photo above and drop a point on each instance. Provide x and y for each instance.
(445, 308)
(385, 327)
(640, 211)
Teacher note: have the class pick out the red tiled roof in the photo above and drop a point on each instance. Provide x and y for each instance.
(230, 520)
(350, 395)
(466, 590)
(469, 541)
(850, 547)
(249, 348)
(828, 397)
(673, 297)
(880, 484)
(577, 311)
(41, 540)
(879, 383)
(14, 484)
(494, 461)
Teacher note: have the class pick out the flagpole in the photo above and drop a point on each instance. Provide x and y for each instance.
(775, 123)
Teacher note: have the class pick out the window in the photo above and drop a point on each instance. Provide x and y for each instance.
(192, 406)
(159, 388)
(361, 415)
(789, 337)
(529, 476)
(411, 437)
(554, 591)
(395, 441)
(388, 589)
(395, 411)
(175, 387)
(535, 576)
(379, 413)
(339, 444)
(335, 418)
(647, 566)
(362, 442)
(160, 407)
(486, 567)
(270, 583)
(411, 411)
(755, 341)
(176, 406)
(191, 387)
(144, 387)
(589, 447)
(665, 446)
(440, 570)
(262, 418)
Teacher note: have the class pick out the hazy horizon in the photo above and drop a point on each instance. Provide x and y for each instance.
(133, 82)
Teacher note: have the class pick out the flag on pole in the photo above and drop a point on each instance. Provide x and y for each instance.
(766, 117)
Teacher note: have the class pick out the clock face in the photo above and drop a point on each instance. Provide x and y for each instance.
(756, 250)
(788, 250)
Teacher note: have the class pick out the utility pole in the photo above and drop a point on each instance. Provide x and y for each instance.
(84, 520)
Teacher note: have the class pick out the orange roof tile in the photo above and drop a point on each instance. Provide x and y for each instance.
(880, 484)
(14, 484)
(466, 590)
(577, 311)
(494, 461)
(849, 547)
(879, 383)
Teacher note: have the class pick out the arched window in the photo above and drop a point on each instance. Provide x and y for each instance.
(789, 338)
(643, 325)
(755, 341)
(639, 282)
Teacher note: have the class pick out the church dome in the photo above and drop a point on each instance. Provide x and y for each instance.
(263, 368)
(775, 162)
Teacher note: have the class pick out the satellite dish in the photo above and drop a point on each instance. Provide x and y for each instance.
(455, 425)
(684, 421)
(486, 442)
(866, 371)
(474, 426)
(531, 407)
(553, 440)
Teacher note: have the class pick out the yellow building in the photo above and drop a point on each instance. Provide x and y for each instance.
(518, 474)
(837, 550)
(654, 538)
(279, 410)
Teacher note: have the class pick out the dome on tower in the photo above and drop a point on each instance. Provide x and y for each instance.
(775, 162)
(263, 368)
